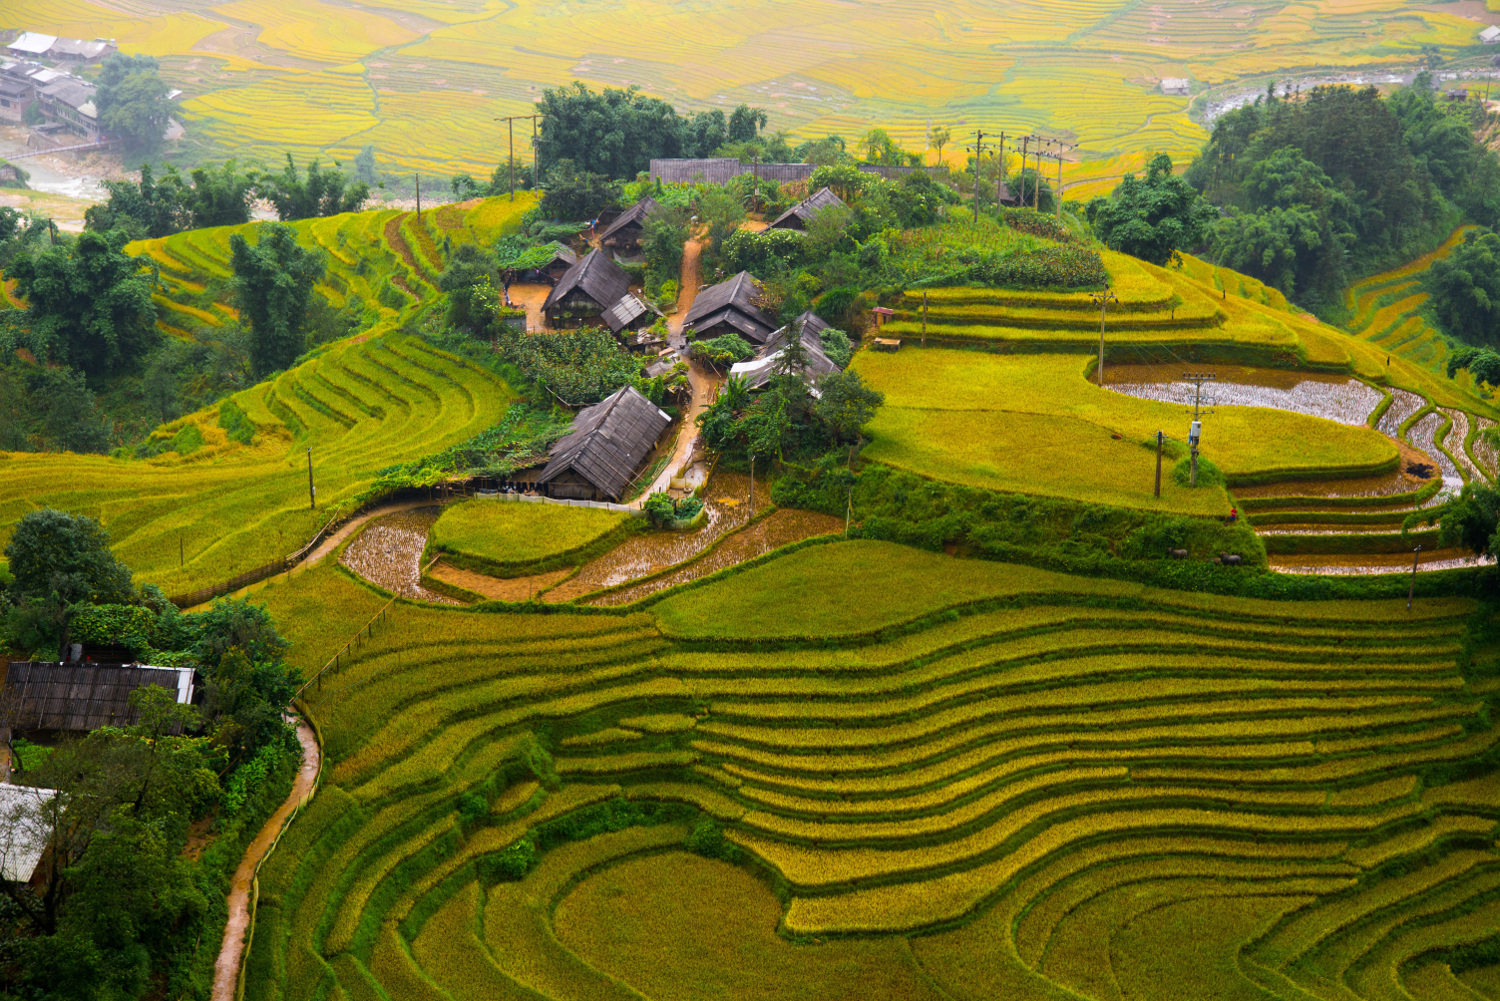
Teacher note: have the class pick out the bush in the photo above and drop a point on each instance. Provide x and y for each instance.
(236, 422)
(707, 839)
(1209, 475)
(511, 864)
(722, 351)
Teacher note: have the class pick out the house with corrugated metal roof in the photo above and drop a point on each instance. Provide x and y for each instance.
(730, 307)
(798, 216)
(757, 372)
(78, 697)
(607, 446)
(25, 830)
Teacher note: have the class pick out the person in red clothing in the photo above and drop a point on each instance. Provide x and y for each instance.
(1234, 515)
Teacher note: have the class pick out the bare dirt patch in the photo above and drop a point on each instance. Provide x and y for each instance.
(498, 588)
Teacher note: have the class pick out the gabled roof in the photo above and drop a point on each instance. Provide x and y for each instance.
(1493, 31)
(24, 832)
(600, 278)
(32, 42)
(562, 252)
(637, 213)
(757, 371)
(739, 295)
(609, 441)
(799, 215)
(626, 311)
(52, 696)
(78, 47)
(73, 93)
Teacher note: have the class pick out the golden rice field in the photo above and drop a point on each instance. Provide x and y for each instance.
(423, 80)
(199, 515)
(924, 778)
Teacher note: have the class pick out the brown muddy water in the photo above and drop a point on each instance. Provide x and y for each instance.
(388, 553)
(1332, 397)
(777, 529)
(728, 496)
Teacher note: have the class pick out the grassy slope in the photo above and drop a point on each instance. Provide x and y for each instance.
(503, 533)
(1007, 766)
(186, 521)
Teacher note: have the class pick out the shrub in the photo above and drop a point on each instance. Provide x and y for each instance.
(722, 351)
(236, 422)
(511, 864)
(707, 839)
(1209, 475)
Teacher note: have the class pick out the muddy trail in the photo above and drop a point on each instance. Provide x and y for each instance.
(227, 966)
(388, 553)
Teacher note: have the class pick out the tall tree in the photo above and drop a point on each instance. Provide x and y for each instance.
(88, 303)
(220, 196)
(273, 284)
(1465, 289)
(939, 136)
(59, 562)
(144, 208)
(1150, 217)
(132, 101)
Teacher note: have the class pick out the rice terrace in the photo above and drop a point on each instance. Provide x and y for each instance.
(749, 501)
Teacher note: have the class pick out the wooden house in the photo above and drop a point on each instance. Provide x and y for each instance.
(585, 291)
(798, 216)
(605, 449)
(624, 233)
(78, 697)
(631, 314)
(757, 372)
(562, 259)
(731, 307)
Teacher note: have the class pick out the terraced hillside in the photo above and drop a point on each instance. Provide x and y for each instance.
(1385, 311)
(230, 491)
(940, 778)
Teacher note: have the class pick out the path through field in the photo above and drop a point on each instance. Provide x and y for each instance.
(704, 382)
(227, 966)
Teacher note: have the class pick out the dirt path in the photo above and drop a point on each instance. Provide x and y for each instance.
(498, 588)
(704, 381)
(227, 967)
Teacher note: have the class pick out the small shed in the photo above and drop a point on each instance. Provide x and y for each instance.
(1490, 35)
(757, 372)
(630, 313)
(585, 291)
(45, 695)
(24, 831)
(798, 216)
(606, 447)
(625, 232)
(563, 258)
(732, 306)
(1176, 86)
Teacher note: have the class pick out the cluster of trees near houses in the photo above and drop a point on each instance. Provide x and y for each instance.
(119, 907)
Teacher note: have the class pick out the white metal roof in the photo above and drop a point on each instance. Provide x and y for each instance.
(46, 76)
(1491, 33)
(23, 832)
(32, 42)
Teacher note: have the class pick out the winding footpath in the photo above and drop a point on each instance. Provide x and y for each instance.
(227, 966)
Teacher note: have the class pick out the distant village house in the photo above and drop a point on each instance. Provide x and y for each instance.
(585, 291)
(1490, 35)
(1176, 86)
(757, 372)
(35, 45)
(624, 233)
(798, 216)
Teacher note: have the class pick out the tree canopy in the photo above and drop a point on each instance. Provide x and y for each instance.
(132, 101)
(88, 303)
(1150, 217)
(320, 193)
(1465, 289)
(273, 286)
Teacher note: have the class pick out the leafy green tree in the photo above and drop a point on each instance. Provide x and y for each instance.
(939, 136)
(273, 284)
(1465, 289)
(663, 238)
(464, 186)
(132, 101)
(1153, 216)
(220, 196)
(762, 254)
(320, 193)
(144, 208)
(1274, 245)
(705, 133)
(614, 133)
(573, 194)
(846, 404)
(721, 213)
(364, 166)
(746, 123)
(1473, 520)
(469, 269)
(60, 562)
(88, 303)
(46, 408)
(1483, 364)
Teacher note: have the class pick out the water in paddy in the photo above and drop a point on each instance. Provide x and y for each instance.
(388, 553)
(1332, 397)
(779, 528)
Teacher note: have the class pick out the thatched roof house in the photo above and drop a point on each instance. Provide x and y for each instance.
(609, 442)
(731, 306)
(47, 695)
(586, 290)
(625, 231)
(757, 372)
(798, 216)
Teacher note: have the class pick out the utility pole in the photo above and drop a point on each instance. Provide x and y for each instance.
(752, 489)
(510, 124)
(1416, 554)
(978, 150)
(924, 319)
(419, 197)
(1103, 299)
(1000, 176)
(1025, 145)
(1037, 194)
(1196, 428)
(1159, 437)
(1057, 195)
(312, 496)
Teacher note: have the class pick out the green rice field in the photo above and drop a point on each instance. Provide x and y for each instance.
(864, 771)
